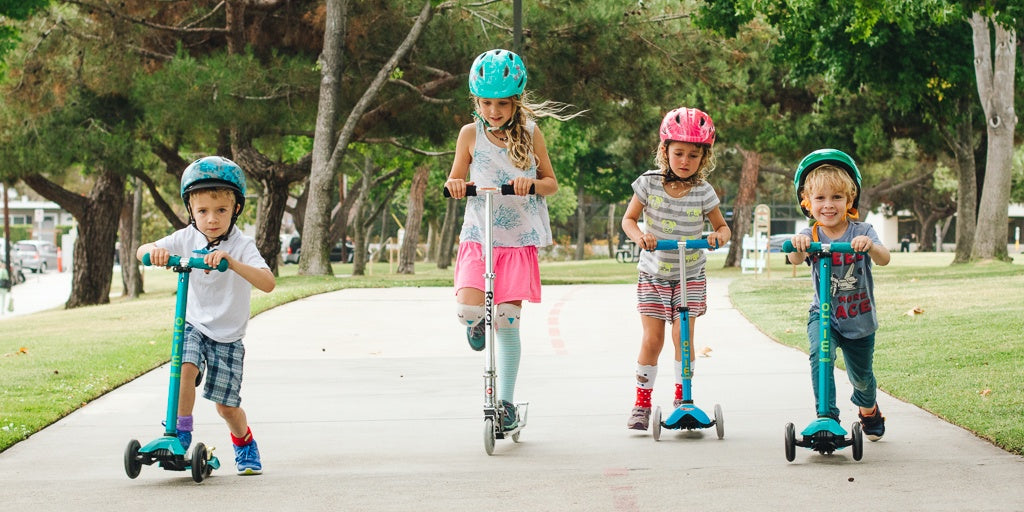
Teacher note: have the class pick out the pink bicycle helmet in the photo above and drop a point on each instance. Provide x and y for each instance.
(688, 125)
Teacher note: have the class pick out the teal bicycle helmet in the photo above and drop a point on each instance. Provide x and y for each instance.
(817, 159)
(497, 74)
(213, 172)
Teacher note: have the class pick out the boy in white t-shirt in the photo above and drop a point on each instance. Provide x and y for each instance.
(213, 189)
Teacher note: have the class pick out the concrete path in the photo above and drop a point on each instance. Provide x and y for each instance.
(370, 400)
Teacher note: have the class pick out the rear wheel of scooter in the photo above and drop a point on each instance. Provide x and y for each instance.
(200, 469)
(858, 441)
(790, 442)
(656, 428)
(719, 422)
(489, 435)
(132, 466)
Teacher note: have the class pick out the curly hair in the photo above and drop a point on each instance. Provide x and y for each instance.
(520, 140)
(707, 163)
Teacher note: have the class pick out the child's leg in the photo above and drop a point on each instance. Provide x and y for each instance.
(508, 347)
(858, 355)
(814, 335)
(647, 363)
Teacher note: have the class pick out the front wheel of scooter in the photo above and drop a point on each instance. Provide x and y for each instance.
(200, 469)
(719, 422)
(790, 442)
(489, 435)
(858, 440)
(132, 466)
(656, 428)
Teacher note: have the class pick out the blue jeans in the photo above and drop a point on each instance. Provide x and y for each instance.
(858, 354)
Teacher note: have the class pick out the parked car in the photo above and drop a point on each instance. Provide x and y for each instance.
(35, 255)
(335, 255)
(775, 242)
(293, 249)
(290, 250)
(16, 270)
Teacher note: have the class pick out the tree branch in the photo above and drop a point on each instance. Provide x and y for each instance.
(395, 142)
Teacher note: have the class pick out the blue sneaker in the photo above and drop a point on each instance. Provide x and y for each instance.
(185, 438)
(477, 336)
(509, 417)
(874, 425)
(247, 459)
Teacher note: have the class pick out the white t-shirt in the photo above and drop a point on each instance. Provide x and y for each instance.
(218, 302)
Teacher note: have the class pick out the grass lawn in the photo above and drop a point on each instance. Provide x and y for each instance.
(960, 358)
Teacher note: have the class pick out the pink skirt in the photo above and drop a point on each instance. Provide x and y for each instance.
(516, 271)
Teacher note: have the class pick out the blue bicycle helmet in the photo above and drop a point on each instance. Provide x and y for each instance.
(213, 172)
(821, 157)
(497, 74)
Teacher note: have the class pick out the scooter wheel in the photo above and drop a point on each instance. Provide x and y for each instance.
(656, 428)
(858, 440)
(132, 465)
(200, 469)
(790, 442)
(489, 435)
(719, 422)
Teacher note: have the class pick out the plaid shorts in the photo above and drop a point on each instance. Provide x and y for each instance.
(659, 298)
(221, 362)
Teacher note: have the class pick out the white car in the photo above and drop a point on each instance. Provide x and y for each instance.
(35, 255)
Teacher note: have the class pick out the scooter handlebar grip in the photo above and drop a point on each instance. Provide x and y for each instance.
(671, 245)
(509, 190)
(843, 247)
(470, 191)
(174, 261)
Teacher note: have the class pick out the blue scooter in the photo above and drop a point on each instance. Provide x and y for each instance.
(824, 435)
(687, 416)
(166, 449)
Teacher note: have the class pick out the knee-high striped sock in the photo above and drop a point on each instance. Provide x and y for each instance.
(508, 349)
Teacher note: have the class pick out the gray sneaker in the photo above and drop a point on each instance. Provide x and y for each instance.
(639, 419)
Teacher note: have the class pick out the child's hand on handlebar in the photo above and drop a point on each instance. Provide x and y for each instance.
(647, 242)
(522, 185)
(861, 243)
(801, 243)
(159, 256)
(213, 259)
(457, 187)
(715, 240)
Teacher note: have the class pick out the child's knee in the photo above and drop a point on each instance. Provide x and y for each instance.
(469, 314)
(507, 316)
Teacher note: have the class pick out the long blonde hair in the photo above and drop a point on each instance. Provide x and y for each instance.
(520, 140)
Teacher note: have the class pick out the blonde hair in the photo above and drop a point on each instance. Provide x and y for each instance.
(829, 177)
(707, 162)
(520, 140)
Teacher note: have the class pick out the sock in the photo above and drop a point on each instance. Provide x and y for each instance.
(508, 350)
(645, 376)
(244, 440)
(184, 424)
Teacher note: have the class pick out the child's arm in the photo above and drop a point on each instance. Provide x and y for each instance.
(545, 184)
(456, 183)
(721, 233)
(261, 278)
(800, 245)
(158, 256)
(630, 225)
(879, 253)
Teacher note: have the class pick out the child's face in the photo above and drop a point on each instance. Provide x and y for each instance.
(496, 111)
(684, 158)
(829, 205)
(212, 211)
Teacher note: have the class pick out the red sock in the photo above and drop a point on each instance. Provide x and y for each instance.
(244, 440)
(643, 397)
(679, 391)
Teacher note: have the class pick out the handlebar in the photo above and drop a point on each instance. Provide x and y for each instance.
(671, 245)
(506, 190)
(843, 247)
(199, 263)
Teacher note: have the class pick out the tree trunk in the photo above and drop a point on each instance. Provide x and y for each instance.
(447, 243)
(962, 145)
(413, 219)
(130, 234)
(743, 208)
(97, 214)
(330, 149)
(612, 230)
(581, 224)
(995, 88)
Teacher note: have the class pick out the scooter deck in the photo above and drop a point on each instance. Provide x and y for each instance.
(521, 413)
(689, 417)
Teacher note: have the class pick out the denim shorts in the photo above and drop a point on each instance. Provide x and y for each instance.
(221, 362)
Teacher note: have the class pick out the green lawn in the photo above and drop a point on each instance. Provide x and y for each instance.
(960, 358)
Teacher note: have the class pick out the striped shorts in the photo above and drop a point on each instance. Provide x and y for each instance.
(658, 298)
(221, 362)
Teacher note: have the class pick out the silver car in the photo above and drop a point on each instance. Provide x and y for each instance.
(35, 255)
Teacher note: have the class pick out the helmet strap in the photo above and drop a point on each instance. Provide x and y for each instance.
(487, 126)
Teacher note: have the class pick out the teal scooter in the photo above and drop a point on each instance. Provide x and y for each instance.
(166, 450)
(687, 416)
(824, 435)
